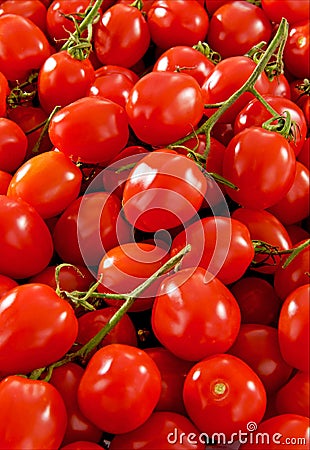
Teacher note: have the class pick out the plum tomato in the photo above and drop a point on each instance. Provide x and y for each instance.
(294, 396)
(296, 54)
(13, 145)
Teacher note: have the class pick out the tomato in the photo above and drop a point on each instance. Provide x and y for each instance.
(185, 59)
(58, 187)
(287, 430)
(163, 190)
(33, 414)
(296, 52)
(4, 91)
(16, 61)
(173, 371)
(25, 241)
(255, 114)
(125, 267)
(227, 37)
(37, 328)
(113, 86)
(13, 145)
(81, 445)
(5, 179)
(279, 86)
(257, 300)
(103, 382)
(6, 283)
(177, 23)
(122, 36)
(294, 206)
(110, 69)
(297, 233)
(31, 9)
(226, 78)
(160, 431)
(213, 388)
(194, 315)
(145, 7)
(91, 130)
(218, 244)
(66, 380)
(293, 328)
(272, 154)
(304, 154)
(290, 9)
(293, 397)
(164, 106)
(264, 227)
(63, 79)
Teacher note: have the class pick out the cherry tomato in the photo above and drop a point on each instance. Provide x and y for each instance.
(103, 381)
(304, 154)
(5, 179)
(213, 388)
(58, 187)
(194, 315)
(293, 397)
(177, 23)
(294, 328)
(115, 87)
(296, 52)
(31, 9)
(33, 414)
(297, 233)
(227, 37)
(91, 130)
(279, 86)
(122, 36)
(6, 283)
(4, 91)
(16, 61)
(13, 145)
(109, 69)
(37, 328)
(272, 154)
(163, 190)
(164, 106)
(25, 241)
(290, 9)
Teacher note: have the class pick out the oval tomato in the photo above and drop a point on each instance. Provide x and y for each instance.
(13, 145)
(294, 396)
(290, 9)
(31, 9)
(296, 54)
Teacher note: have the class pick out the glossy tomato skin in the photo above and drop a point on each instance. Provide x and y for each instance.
(32, 9)
(160, 430)
(58, 187)
(290, 9)
(272, 154)
(194, 315)
(4, 91)
(227, 37)
(17, 62)
(101, 125)
(113, 86)
(5, 179)
(13, 145)
(45, 328)
(294, 396)
(6, 283)
(213, 388)
(33, 414)
(296, 52)
(293, 328)
(81, 445)
(164, 106)
(25, 240)
(104, 379)
(122, 36)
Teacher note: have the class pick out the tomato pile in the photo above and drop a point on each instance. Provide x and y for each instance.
(154, 224)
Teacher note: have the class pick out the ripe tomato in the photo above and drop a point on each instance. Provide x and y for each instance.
(163, 190)
(37, 328)
(16, 61)
(122, 36)
(31, 9)
(164, 106)
(6, 283)
(81, 445)
(58, 187)
(227, 37)
(279, 86)
(177, 23)
(113, 86)
(304, 154)
(32, 414)
(108, 69)
(294, 328)
(25, 241)
(91, 130)
(13, 145)
(5, 179)
(290, 9)
(296, 51)
(194, 316)
(293, 397)
(104, 380)
(213, 388)
(272, 154)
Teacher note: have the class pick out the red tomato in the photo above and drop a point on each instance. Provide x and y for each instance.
(37, 328)
(109, 69)
(293, 397)
(122, 36)
(16, 60)
(4, 91)
(82, 445)
(290, 9)
(280, 87)
(160, 431)
(296, 55)
(102, 130)
(294, 328)
(227, 37)
(164, 106)
(304, 154)
(115, 87)
(194, 315)
(297, 233)
(163, 190)
(32, 414)
(58, 187)
(218, 244)
(177, 23)
(66, 380)
(213, 388)
(5, 179)
(13, 145)
(272, 154)
(6, 283)
(103, 381)
(31, 9)
(257, 300)
(25, 241)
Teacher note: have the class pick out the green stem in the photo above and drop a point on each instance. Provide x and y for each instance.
(44, 130)
(295, 251)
